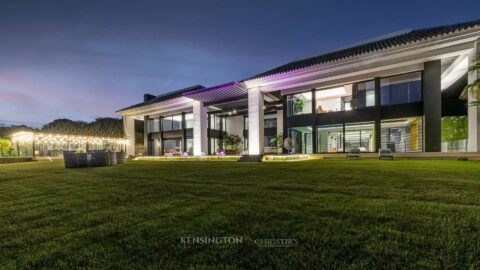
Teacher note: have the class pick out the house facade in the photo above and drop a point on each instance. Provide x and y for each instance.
(399, 91)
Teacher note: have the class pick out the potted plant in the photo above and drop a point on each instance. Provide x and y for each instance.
(297, 105)
(278, 141)
(231, 143)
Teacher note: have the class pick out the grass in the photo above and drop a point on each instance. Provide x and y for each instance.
(363, 214)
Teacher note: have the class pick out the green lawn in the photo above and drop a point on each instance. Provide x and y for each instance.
(344, 214)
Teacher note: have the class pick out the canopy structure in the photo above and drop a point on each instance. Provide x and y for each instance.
(223, 93)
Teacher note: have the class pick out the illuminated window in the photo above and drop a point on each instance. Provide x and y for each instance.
(299, 104)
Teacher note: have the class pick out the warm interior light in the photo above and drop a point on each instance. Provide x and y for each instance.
(329, 93)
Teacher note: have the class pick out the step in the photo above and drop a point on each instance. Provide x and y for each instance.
(251, 158)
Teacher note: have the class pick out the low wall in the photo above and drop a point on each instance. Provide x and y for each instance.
(15, 160)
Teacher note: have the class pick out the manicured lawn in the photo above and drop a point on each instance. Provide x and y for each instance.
(344, 214)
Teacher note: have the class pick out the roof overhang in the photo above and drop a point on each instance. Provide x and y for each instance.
(223, 93)
(163, 107)
(400, 59)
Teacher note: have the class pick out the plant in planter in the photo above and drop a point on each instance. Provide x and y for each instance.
(278, 141)
(298, 105)
(231, 143)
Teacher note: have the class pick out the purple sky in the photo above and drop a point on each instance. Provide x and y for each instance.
(69, 59)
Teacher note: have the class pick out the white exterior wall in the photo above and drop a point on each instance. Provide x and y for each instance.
(255, 122)
(473, 111)
(129, 134)
(235, 125)
(200, 125)
(280, 122)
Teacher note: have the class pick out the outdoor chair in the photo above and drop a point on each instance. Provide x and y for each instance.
(353, 153)
(385, 153)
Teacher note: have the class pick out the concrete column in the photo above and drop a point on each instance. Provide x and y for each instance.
(473, 111)
(200, 141)
(129, 135)
(146, 143)
(255, 122)
(280, 122)
(432, 106)
(156, 140)
(280, 128)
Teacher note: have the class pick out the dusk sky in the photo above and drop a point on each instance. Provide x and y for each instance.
(87, 59)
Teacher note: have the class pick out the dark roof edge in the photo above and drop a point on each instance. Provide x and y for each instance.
(163, 97)
(367, 47)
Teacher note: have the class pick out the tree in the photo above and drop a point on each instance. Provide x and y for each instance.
(5, 146)
(65, 126)
(474, 87)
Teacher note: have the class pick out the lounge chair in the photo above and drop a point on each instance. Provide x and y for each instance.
(385, 153)
(353, 153)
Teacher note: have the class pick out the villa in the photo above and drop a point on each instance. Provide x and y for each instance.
(391, 92)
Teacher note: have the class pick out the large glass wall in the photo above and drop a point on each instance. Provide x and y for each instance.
(299, 104)
(53, 145)
(173, 122)
(364, 95)
(345, 98)
(334, 99)
(189, 144)
(361, 136)
(270, 122)
(173, 146)
(302, 139)
(217, 122)
(215, 145)
(330, 139)
(400, 89)
(402, 135)
(189, 120)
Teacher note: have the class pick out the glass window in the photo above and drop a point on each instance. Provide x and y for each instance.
(360, 135)
(172, 123)
(176, 122)
(299, 103)
(330, 139)
(270, 123)
(189, 120)
(216, 122)
(269, 141)
(302, 139)
(365, 94)
(189, 142)
(150, 125)
(334, 99)
(173, 146)
(402, 135)
(406, 88)
(215, 146)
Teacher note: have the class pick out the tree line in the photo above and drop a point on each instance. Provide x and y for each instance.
(101, 127)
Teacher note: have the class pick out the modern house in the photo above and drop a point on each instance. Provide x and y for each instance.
(391, 92)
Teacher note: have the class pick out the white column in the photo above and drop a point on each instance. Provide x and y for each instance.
(473, 111)
(129, 135)
(200, 125)
(280, 122)
(280, 128)
(255, 122)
